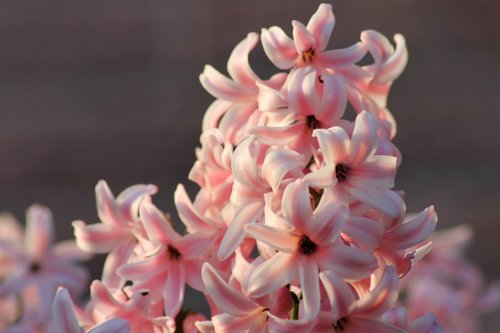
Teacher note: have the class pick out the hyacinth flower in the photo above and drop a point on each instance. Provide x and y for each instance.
(65, 321)
(116, 234)
(40, 267)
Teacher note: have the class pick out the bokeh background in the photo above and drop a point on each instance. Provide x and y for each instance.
(108, 89)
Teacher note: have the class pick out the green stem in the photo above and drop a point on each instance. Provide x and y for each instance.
(294, 314)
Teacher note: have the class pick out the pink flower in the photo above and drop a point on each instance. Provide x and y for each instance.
(307, 242)
(40, 266)
(65, 321)
(116, 234)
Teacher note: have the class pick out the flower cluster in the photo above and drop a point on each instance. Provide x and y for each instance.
(295, 228)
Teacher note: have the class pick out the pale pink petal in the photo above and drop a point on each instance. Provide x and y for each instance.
(155, 223)
(340, 295)
(321, 25)
(114, 325)
(235, 234)
(272, 274)
(224, 88)
(280, 162)
(379, 171)
(107, 208)
(280, 325)
(270, 99)
(278, 135)
(328, 222)
(296, 205)
(302, 38)
(104, 302)
(214, 113)
(146, 268)
(374, 197)
(237, 65)
(279, 239)
(226, 323)
(173, 293)
(63, 318)
(205, 326)
(321, 178)
(425, 324)
(350, 263)
(382, 297)
(412, 232)
(279, 48)
(99, 237)
(309, 285)
(69, 251)
(342, 57)
(363, 138)
(364, 232)
(395, 65)
(196, 245)
(117, 257)
(244, 164)
(227, 299)
(302, 94)
(333, 101)
(187, 212)
(130, 198)
(236, 121)
(333, 143)
(39, 231)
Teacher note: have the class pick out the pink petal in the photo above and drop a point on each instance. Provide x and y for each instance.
(342, 57)
(280, 162)
(214, 113)
(302, 38)
(187, 212)
(371, 325)
(244, 164)
(145, 269)
(156, 225)
(365, 233)
(227, 299)
(224, 88)
(379, 170)
(333, 143)
(117, 257)
(69, 251)
(333, 101)
(396, 64)
(195, 246)
(114, 325)
(296, 205)
(272, 274)
(279, 48)
(226, 323)
(237, 65)
(277, 238)
(236, 121)
(173, 293)
(321, 25)
(350, 263)
(130, 198)
(309, 285)
(104, 302)
(64, 320)
(328, 222)
(280, 325)
(107, 208)
(39, 231)
(321, 178)
(363, 138)
(425, 324)
(340, 295)
(278, 135)
(412, 232)
(99, 237)
(382, 297)
(375, 197)
(270, 99)
(235, 233)
(302, 94)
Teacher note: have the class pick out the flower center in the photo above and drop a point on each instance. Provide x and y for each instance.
(340, 324)
(35, 267)
(308, 56)
(312, 122)
(341, 171)
(173, 253)
(307, 246)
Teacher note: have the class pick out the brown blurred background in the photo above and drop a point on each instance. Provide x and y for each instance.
(108, 89)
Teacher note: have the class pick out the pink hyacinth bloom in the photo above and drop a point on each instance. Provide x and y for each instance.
(138, 309)
(308, 244)
(352, 170)
(242, 313)
(116, 234)
(309, 44)
(351, 313)
(172, 260)
(65, 321)
(41, 266)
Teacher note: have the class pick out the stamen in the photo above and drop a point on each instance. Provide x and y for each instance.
(308, 56)
(340, 324)
(341, 172)
(307, 246)
(173, 253)
(312, 122)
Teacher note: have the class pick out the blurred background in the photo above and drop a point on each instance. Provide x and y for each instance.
(108, 89)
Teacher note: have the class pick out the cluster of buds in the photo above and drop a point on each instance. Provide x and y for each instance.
(295, 228)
